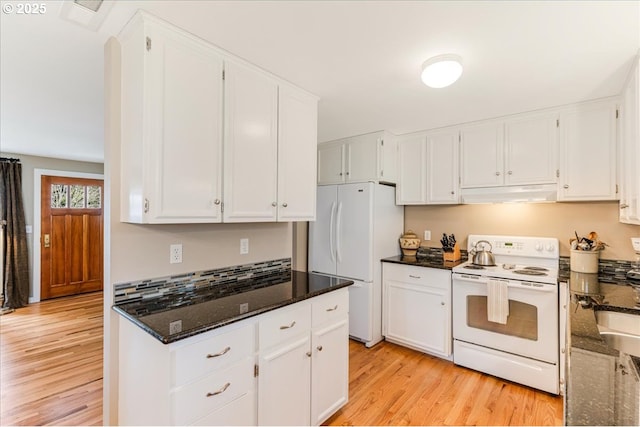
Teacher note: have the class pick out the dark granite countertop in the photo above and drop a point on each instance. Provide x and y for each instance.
(427, 257)
(591, 362)
(205, 308)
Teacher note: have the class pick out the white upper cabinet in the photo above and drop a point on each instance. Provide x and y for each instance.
(428, 168)
(482, 155)
(521, 150)
(297, 151)
(251, 145)
(171, 156)
(630, 149)
(531, 144)
(175, 101)
(412, 171)
(370, 157)
(588, 152)
(442, 166)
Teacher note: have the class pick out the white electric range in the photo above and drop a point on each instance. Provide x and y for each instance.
(505, 317)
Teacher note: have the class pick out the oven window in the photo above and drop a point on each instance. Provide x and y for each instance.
(522, 321)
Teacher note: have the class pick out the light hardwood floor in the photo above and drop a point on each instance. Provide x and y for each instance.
(51, 363)
(393, 385)
(51, 373)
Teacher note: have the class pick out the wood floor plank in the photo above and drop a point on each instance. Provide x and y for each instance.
(393, 385)
(51, 362)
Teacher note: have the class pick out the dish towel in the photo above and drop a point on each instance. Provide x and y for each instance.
(497, 301)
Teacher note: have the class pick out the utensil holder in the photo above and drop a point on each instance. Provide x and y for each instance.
(452, 256)
(584, 261)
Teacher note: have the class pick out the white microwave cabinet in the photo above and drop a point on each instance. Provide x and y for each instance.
(416, 310)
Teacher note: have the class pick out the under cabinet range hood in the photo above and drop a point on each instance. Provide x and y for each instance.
(510, 194)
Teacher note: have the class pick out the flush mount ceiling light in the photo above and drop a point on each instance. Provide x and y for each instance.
(87, 13)
(442, 70)
(92, 5)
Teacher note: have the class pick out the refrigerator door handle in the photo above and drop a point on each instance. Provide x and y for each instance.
(332, 232)
(338, 231)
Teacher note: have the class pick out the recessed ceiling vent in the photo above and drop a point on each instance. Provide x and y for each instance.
(87, 13)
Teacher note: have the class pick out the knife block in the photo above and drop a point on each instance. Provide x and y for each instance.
(452, 256)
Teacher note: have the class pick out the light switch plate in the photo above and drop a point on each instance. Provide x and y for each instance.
(244, 246)
(635, 241)
(427, 235)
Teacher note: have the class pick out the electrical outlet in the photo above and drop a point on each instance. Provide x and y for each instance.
(175, 254)
(244, 246)
(427, 235)
(635, 241)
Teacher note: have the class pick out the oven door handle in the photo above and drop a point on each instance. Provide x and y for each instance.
(534, 287)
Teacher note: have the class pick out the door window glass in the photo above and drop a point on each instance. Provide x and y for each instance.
(522, 320)
(94, 197)
(77, 196)
(59, 195)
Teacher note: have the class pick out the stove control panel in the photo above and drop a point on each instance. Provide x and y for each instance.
(521, 246)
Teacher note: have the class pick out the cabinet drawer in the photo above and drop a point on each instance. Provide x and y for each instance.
(201, 358)
(196, 400)
(283, 324)
(333, 305)
(405, 273)
(240, 412)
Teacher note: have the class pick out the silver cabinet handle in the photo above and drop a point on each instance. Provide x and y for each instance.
(319, 348)
(284, 205)
(566, 186)
(414, 277)
(222, 353)
(216, 201)
(333, 309)
(146, 205)
(222, 390)
(624, 206)
(274, 204)
(290, 326)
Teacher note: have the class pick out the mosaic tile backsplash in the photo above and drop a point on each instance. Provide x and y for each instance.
(609, 270)
(158, 287)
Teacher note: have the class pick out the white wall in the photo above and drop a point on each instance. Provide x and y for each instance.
(136, 252)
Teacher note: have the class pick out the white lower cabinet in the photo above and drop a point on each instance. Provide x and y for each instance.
(416, 310)
(289, 366)
(304, 374)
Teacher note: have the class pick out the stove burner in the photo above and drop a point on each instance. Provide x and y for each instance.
(508, 266)
(530, 272)
(474, 267)
(536, 268)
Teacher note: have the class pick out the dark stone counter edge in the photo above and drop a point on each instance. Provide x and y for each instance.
(192, 332)
(427, 262)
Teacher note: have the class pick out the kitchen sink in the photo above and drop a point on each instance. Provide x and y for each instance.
(620, 330)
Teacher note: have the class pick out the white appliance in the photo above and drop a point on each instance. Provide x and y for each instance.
(522, 346)
(356, 226)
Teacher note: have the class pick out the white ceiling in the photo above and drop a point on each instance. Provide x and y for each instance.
(362, 58)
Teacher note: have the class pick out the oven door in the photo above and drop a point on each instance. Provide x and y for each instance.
(532, 325)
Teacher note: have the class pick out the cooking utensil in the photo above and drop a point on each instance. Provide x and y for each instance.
(483, 257)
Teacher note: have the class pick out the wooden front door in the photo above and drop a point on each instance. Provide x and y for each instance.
(71, 240)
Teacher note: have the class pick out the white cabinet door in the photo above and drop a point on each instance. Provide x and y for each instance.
(331, 163)
(629, 158)
(412, 171)
(442, 167)
(330, 370)
(417, 307)
(251, 145)
(284, 383)
(171, 127)
(362, 158)
(297, 150)
(588, 152)
(531, 145)
(482, 155)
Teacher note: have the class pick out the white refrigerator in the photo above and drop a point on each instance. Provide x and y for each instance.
(357, 225)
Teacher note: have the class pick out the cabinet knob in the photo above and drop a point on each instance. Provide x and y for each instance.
(284, 205)
(624, 206)
(565, 186)
(340, 173)
(347, 173)
(510, 172)
(453, 192)
(274, 204)
(146, 205)
(216, 201)
(497, 173)
(308, 354)
(441, 302)
(319, 348)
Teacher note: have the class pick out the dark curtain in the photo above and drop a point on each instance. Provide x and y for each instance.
(16, 255)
